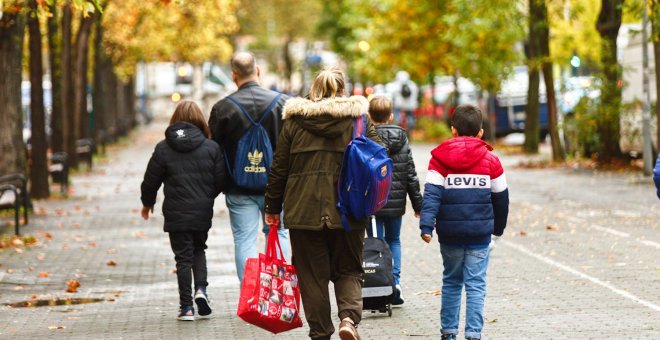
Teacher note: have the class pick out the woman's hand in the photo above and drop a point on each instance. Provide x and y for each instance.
(145, 212)
(273, 219)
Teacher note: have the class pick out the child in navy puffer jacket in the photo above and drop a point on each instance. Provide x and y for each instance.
(466, 200)
(192, 169)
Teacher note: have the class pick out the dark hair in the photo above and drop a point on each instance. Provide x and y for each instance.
(328, 83)
(380, 109)
(188, 111)
(467, 120)
(243, 64)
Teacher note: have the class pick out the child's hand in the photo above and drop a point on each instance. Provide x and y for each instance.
(145, 212)
(427, 238)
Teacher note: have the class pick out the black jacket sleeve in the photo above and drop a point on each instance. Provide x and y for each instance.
(413, 185)
(153, 178)
(220, 172)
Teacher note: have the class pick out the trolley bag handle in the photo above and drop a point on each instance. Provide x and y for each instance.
(374, 232)
(273, 244)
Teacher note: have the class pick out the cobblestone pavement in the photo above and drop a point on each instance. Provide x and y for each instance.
(579, 259)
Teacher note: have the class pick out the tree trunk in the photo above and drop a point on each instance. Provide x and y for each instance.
(608, 24)
(38, 158)
(655, 36)
(288, 63)
(533, 66)
(12, 148)
(557, 150)
(70, 127)
(99, 90)
(80, 75)
(55, 58)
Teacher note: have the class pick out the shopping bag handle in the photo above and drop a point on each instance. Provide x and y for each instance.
(273, 244)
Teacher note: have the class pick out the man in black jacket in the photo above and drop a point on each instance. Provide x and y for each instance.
(228, 124)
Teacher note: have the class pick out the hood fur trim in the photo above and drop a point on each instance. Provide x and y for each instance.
(354, 106)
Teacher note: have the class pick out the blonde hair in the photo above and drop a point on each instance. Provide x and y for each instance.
(328, 83)
(380, 109)
(188, 111)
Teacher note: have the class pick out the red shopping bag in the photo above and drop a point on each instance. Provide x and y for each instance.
(270, 295)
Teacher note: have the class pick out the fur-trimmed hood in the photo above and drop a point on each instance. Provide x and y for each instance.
(354, 106)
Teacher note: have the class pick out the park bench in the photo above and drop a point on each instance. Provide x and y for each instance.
(13, 195)
(85, 151)
(59, 170)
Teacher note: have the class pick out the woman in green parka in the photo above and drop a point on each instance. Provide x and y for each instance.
(303, 179)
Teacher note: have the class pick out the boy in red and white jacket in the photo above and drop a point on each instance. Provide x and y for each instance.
(466, 200)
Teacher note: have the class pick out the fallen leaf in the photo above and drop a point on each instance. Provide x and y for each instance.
(75, 225)
(60, 212)
(110, 299)
(491, 321)
(41, 211)
(65, 246)
(19, 250)
(523, 233)
(139, 234)
(9, 270)
(56, 327)
(111, 264)
(44, 274)
(30, 269)
(551, 227)
(17, 242)
(48, 236)
(92, 244)
(78, 238)
(77, 208)
(60, 225)
(72, 286)
(19, 288)
(33, 296)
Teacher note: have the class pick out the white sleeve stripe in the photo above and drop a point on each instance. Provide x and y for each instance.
(435, 178)
(498, 184)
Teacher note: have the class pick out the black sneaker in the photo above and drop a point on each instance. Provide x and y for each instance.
(448, 337)
(186, 313)
(398, 297)
(202, 301)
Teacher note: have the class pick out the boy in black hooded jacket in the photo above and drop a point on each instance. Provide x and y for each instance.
(404, 182)
(192, 168)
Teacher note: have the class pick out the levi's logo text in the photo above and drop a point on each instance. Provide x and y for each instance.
(467, 181)
(255, 158)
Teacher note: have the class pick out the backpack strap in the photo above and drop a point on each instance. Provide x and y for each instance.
(359, 126)
(263, 115)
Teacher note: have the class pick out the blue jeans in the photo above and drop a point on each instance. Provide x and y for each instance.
(391, 227)
(245, 212)
(463, 267)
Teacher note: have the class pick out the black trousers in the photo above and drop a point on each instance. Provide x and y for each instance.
(323, 256)
(190, 257)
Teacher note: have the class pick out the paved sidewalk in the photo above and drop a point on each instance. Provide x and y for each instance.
(532, 294)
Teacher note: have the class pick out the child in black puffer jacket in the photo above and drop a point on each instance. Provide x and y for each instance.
(192, 168)
(404, 183)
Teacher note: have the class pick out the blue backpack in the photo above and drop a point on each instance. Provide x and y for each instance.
(365, 177)
(254, 153)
